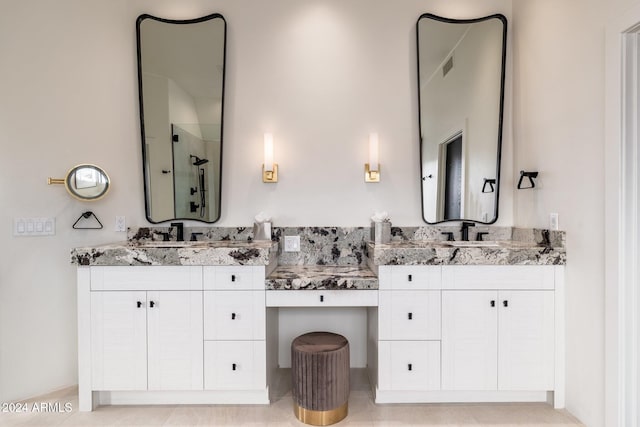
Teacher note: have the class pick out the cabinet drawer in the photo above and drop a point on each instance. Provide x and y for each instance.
(143, 278)
(233, 278)
(234, 315)
(410, 277)
(343, 298)
(234, 365)
(498, 277)
(409, 315)
(409, 365)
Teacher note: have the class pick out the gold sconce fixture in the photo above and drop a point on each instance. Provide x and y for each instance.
(372, 169)
(269, 168)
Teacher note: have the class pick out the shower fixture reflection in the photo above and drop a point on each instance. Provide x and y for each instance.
(198, 161)
(200, 173)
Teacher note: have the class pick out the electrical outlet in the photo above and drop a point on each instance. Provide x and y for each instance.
(553, 221)
(121, 223)
(292, 243)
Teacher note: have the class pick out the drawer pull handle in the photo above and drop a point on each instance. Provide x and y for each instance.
(233, 366)
(233, 316)
(233, 277)
(410, 316)
(152, 304)
(139, 304)
(321, 298)
(410, 367)
(505, 303)
(410, 277)
(493, 303)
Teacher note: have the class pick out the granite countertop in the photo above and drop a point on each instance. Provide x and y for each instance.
(331, 277)
(220, 252)
(504, 252)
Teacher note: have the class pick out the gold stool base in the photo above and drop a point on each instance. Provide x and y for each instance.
(320, 418)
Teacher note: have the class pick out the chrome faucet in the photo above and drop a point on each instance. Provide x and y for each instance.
(465, 229)
(180, 232)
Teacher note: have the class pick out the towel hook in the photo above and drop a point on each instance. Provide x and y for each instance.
(529, 175)
(84, 216)
(491, 182)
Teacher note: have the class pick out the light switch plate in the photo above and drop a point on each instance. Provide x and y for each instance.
(34, 226)
(292, 243)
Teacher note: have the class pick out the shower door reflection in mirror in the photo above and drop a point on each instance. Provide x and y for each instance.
(181, 81)
(461, 89)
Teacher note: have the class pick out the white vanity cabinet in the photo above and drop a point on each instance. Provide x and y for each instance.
(409, 328)
(234, 328)
(146, 340)
(171, 334)
(145, 336)
(497, 340)
(481, 333)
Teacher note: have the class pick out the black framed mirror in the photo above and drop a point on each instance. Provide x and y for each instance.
(181, 74)
(461, 75)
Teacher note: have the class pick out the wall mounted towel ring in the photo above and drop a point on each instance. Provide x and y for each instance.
(529, 175)
(85, 216)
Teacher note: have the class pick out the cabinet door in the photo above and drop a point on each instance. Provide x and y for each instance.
(526, 340)
(175, 340)
(234, 315)
(118, 341)
(469, 340)
(409, 315)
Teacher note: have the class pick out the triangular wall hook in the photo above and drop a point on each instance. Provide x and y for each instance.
(85, 216)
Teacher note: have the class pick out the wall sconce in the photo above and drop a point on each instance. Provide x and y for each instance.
(269, 168)
(372, 169)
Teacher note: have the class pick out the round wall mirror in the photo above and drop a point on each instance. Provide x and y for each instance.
(85, 182)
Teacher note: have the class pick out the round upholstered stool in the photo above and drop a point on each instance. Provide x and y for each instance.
(320, 374)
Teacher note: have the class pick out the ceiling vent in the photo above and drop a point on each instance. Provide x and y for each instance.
(448, 66)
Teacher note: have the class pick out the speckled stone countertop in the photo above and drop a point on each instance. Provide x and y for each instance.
(332, 277)
(223, 252)
(507, 252)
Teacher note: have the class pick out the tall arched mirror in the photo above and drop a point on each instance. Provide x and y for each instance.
(181, 69)
(461, 71)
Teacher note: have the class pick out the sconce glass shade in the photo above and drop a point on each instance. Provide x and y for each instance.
(374, 158)
(268, 152)
(269, 168)
(372, 169)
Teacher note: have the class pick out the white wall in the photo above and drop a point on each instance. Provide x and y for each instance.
(319, 74)
(558, 130)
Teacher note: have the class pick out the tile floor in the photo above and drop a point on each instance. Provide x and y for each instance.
(362, 412)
